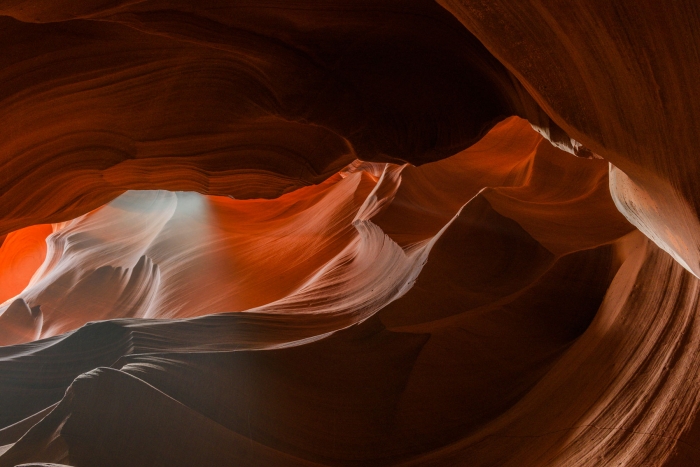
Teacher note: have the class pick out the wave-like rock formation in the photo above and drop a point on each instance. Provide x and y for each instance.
(332, 232)
(620, 78)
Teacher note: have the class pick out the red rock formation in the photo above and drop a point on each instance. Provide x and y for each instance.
(245, 100)
(621, 79)
(348, 233)
(21, 254)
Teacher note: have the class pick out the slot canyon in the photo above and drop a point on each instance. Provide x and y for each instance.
(349, 233)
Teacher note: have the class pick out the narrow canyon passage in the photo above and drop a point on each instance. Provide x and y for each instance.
(349, 233)
(414, 310)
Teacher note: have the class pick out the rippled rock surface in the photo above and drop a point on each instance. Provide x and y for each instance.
(325, 233)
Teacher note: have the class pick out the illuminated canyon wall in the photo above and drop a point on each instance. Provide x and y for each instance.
(334, 233)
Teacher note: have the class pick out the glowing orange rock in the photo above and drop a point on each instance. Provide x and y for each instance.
(20, 256)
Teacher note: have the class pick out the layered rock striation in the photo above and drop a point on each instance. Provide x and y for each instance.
(331, 233)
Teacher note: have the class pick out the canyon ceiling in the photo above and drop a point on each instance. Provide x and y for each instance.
(349, 233)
